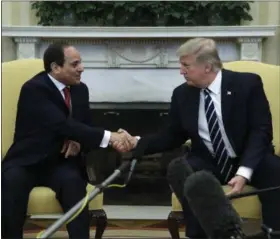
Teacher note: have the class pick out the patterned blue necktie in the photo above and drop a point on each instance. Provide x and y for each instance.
(220, 151)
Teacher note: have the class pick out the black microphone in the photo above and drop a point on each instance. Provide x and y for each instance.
(137, 153)
(253, 192)
(177, 172)
(140, 150)
(212, 208)
(131, 169)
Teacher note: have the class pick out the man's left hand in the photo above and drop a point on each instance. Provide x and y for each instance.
(71, 148)
(237, 183)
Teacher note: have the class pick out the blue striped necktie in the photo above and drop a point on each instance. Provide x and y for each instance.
(220, 152)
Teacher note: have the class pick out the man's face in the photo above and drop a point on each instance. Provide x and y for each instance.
(70, 73)
(193, 72)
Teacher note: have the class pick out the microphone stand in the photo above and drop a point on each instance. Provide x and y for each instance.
(269, 232)
(58, 223)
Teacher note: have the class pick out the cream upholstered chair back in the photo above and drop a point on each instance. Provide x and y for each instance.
(270, 75)
(14, 75)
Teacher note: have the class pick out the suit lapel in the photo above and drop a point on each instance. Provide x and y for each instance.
(227, 97)
(192, 98)
(56, 95)
(74, 100)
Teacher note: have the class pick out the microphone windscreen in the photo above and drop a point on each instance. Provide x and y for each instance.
(177, 172)
(212, 208)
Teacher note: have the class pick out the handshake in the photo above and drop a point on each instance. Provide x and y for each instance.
(122, 141)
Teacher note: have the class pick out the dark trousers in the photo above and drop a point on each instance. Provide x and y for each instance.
(65, 179)
(267, 174)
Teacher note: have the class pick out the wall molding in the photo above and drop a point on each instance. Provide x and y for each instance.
(138, 32)
(123, 44)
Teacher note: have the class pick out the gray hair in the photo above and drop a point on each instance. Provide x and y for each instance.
(205, 51)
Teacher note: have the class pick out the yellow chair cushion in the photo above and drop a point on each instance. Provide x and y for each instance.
(248, 207)
(42, 201)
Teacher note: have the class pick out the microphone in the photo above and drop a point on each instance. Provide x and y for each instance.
(253, 192)
(137, 152)
(212, 208)
(140, 149)
(130, 172)
(177, 172)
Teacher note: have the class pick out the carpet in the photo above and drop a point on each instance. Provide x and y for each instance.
(133, 229)
(113, 233)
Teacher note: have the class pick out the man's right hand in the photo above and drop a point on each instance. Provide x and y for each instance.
(122, 141)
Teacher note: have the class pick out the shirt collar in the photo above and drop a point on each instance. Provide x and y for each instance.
(60, 86)
(215, 86)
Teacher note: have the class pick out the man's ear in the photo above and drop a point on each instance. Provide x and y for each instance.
(54, 67)
(208, 68)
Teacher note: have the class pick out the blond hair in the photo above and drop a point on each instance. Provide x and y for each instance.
(205, 51)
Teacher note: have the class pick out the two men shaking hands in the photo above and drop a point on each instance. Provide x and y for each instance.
(122, 141)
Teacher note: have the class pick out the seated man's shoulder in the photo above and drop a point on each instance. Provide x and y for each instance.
(246, 77)
(36, 78)
(180, 88)
(35, 81)
(81, 87)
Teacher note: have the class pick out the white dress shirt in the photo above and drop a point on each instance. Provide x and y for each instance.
(215, 92)
(60, 86)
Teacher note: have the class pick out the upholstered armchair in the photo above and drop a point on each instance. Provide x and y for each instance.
(42, 203)
(250, 207)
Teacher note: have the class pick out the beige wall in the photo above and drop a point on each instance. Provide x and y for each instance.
(15, 13)
(269, 14)
(8, 50)
(264, 13)
(18, 13)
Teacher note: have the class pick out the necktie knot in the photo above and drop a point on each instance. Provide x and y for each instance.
(66, 90)
(207, 91)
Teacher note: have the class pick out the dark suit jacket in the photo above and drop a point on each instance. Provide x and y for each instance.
(245, 112)
(43, 122)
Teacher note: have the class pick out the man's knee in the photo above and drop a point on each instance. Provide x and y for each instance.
(266, 173)
(70, 181)
(73, 177)
(16, 178)
(70, 188)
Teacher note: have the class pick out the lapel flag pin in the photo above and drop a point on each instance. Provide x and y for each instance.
(228, 92)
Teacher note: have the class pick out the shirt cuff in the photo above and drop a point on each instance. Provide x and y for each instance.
(245, 172)
(106, 139)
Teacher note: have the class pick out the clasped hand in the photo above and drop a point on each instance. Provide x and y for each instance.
(122, 141)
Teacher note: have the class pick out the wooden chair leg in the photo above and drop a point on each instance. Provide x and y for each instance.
(174, 220)
(99, 218)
